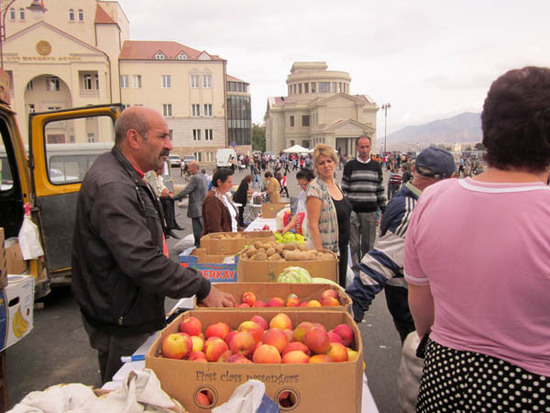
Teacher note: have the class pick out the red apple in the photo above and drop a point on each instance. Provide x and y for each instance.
(249, 298)
(296, 346)
(295, 357)
(261, 321)
(344, 331)
(276, 302)
(217, 330)
(281, 321)
(277, 338)
(329, 293)
(191, 325)
(224, 356)
(320, 358)
(242, 305)
(301, 330)
(198, 343)
(214, 347)
(203, 399)
(352, 354)
(337, 352)
(189, 341)
(253, 328)
(317, 340)
(330, 302)
(335, 338)
(313, 303)
(197, 356)
(266, 354)
(259, 303)
(229, 336)
(174, 346)
(242, 343)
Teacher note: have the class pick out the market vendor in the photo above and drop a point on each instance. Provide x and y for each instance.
(121, 272)
(218, 212)
(298, 221)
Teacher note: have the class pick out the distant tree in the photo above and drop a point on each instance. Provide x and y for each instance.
(468, 148)
(258, 137)
(479, 147)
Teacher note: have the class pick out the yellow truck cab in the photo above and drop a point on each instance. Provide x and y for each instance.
(47, 174)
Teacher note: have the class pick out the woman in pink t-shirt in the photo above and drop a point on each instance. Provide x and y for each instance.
(477, 260)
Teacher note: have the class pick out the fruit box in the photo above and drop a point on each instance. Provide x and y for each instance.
(3, 262)
(266, 291)
(268, 271)
(270, 210)
(216, 243)
(16, 309)
(328, 387)
(211, 267)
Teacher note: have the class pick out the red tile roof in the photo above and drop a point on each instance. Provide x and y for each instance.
(101, 16)
(137, 49)
(230, 78)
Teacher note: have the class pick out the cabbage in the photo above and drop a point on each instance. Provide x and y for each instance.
(319, 280)
(294, 275)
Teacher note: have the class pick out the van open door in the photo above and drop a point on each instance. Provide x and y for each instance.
(63, 145)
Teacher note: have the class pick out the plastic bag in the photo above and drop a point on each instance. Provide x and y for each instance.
(249, 397)
(29, 240)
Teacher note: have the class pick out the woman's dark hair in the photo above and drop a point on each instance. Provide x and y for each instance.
(306, 174)
(516, 120)
(221, 174)
(268, 174)
(248, 178)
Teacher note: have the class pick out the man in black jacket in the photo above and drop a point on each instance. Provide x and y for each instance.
(120, 268)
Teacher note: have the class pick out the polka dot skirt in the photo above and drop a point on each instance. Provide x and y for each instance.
(463, 381)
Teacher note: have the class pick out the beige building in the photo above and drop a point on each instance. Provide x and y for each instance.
(319, 109)
(78, 53)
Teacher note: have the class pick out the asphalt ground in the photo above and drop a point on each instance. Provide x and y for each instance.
(57, 350)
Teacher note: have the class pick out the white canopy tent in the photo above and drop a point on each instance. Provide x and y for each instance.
(297, 149)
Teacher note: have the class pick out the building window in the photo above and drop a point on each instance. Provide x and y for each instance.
(90, 82)
(324, 87)
(80, 15)
(305, 144)
(208, 135)
(195, 110)
(208, 109)
(136, 81)
(166, 81)
(71, 15)
(52, 84)
(293, 89)
(207, 81)
(209, 157)
(21, 14)
(182, 56)
(300, 88)
(292, 121)
(198, 156)
(167, 109)
(305, 120)
(194, 80)
(160, 56)
(292, 143)
(12, 13)
(313, 87)
(52, 108)
(123, 81)
(196, 134)
(91, 138)
(306, 87)
(334, 87)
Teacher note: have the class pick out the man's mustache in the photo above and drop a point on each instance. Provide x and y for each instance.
(164, 152)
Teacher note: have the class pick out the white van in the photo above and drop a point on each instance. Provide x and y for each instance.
(224, 156)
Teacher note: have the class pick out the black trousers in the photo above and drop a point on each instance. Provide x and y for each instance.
(397, 299)
(169, 212)
(197, 230)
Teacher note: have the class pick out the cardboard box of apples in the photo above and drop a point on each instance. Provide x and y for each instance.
(286, 296)
(310, 361)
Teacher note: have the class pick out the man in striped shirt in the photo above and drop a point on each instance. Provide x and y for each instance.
(362, 185)
(382, 267)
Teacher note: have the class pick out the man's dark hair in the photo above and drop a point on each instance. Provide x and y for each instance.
(361, 137)
(221, 174)
(130, 120)
(516, 120)
(306, 174)
(268, 174)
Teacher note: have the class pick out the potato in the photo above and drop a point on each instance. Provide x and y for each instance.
(260, 256)
(289, 247)
(243, 256)
(270, 251)
(295, 256)
(275, 257)
(258, 244)
(251, 251)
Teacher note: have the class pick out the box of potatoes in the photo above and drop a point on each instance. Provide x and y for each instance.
(229, 243)
(264, 261)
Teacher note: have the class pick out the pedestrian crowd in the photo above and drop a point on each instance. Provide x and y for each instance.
(476, 311)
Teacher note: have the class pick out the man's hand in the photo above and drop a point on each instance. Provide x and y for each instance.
(217, 298)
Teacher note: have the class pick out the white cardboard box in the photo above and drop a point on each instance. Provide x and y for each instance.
(16, 309)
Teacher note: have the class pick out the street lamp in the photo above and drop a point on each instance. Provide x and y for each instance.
(385, 106)
(36, 9)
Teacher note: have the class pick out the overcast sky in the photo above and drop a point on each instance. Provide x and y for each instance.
(430, 59)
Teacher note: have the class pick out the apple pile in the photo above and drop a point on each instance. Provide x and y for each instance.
(328, 298)
(256, 341)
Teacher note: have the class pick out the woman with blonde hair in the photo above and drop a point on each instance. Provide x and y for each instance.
(328, 210)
